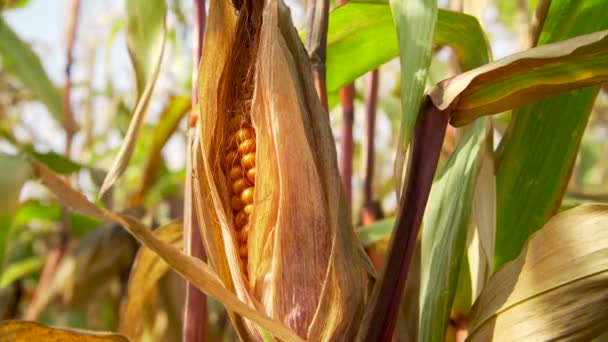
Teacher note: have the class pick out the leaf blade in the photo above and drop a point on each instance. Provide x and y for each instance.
(376, 231)
(19, 59)
(359, 27)
(444, 235)
(529, 186)
(570, 252)
(446, 223)
(415, 25)
(13, 174)
(524, 78)
(19, 269)
(146, 39)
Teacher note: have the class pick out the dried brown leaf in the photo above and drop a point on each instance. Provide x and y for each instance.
(194, 270)
(556, 289)
(65, 193)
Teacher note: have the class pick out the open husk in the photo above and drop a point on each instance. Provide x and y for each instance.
(303, 263)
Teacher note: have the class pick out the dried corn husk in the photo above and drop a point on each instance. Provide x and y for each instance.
(305, 266)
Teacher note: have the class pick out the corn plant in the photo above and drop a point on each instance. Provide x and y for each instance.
(488, 240)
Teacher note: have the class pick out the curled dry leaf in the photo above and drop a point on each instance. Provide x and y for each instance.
(524, 78)
(147, 269)
(23, 331)
(268, 194)
(557, 289)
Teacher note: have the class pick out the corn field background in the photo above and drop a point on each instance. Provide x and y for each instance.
(471, 166)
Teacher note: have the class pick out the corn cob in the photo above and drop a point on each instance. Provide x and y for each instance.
(240, 136)
(240, 169)
(276, 225)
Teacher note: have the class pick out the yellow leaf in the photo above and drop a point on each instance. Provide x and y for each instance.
(23, 331)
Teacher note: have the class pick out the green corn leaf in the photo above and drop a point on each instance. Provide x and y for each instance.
(19, 269)
(366, 30)
(359, 28)
(446, 222)
(18, 58)
(376, 231)
(33, 210)
(36, 210)
(56, 162)
(9, 4)
(146, 32)
(448, 215)
(14, 171)
(415, 23)
(538, 154)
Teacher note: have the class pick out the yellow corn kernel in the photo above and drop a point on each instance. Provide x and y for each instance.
(247, 195)
(251, 175)
(248, 160)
